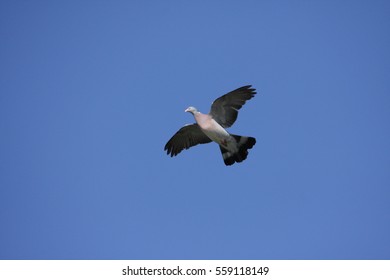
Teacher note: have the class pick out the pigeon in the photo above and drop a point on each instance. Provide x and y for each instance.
(212, 127)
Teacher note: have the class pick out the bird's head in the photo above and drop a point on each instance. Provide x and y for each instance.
(191, 109)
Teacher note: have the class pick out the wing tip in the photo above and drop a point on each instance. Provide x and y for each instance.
(247, 88)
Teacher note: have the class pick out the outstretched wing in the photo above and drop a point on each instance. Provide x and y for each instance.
(225, 108)
(187, 136)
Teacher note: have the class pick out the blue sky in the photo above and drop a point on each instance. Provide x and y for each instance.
(90, 92)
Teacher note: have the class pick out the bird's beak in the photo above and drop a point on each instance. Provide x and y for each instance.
(186, 110)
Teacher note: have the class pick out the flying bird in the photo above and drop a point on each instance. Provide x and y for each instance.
(212, 127)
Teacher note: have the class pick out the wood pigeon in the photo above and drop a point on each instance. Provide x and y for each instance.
(211, 127)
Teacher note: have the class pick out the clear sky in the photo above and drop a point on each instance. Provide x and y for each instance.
(90, 92)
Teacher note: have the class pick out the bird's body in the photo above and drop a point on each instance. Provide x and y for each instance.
(211, 127)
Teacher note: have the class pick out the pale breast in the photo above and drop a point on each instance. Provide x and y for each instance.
(213, 130)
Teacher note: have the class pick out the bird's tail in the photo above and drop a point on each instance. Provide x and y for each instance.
(243, 145)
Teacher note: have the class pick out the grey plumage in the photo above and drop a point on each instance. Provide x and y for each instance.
(225, 108)
(244, 144)
(187, 136)
(211, 127)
